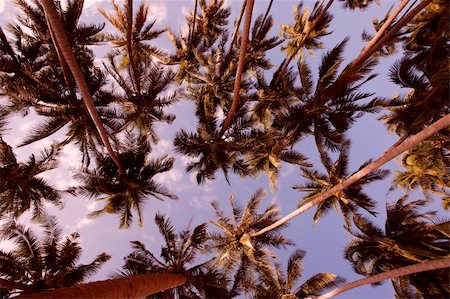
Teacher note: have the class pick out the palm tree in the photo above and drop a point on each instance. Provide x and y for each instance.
(178, 254)
(348, 200)
(39, 264)
(68, 54)
(134, 35)
(426, 166)
(330, 108)
(126, 191)
(399, 272)
(236, 253)
(392, 152)
(275, 284)
(21, 188)
(142, 109)
(409, 237)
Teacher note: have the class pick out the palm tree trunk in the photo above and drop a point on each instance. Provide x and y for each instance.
(62, 61)
(411, 269)
(134, 76)
(235, 30)
(383, 28)
(137, 286)
(240, 68)
(368, 51)
(192, 31)
(390, 154)
(66, 49)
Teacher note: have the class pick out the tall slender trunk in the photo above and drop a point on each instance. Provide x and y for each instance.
(411, 269)
(383, 28)
(134, 75)
(368, 51)
(62, 61)
(390, 154)
(66, 49)
(235, 30)
(192, 31)
(137, 286)
(240, 68)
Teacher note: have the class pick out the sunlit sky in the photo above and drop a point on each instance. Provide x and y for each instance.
(324, 243)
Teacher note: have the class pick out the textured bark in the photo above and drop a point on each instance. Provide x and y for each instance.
(137, 286)
(390, 154)
(62, 61)
(66, 49)
(366, 53)
(243, 50)
(411, 269)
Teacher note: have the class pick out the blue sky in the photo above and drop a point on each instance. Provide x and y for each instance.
(323, 243)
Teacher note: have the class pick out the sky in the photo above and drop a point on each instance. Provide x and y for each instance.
(324, 243)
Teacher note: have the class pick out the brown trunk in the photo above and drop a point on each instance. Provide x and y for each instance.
(236, 28)
(383, 28)
(137, 286)
(62, 61)
(411, 269)
(366, 53)
(390, 154)
(240, 68)
(134, 76)
(192, 31)
(66, 49)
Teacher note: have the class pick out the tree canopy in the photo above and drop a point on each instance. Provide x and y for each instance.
(129, 108)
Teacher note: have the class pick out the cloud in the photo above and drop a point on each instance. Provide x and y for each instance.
(91, 6)
(158, 11)
(70, 156)
(2, 6)
(84, 222)
(201, 202)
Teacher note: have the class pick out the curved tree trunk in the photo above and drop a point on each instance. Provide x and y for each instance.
(137, 286)
(66, 49)
(411, 269)
(390, 154)
(243, 50)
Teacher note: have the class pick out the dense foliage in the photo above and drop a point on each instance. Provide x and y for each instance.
(247, 130)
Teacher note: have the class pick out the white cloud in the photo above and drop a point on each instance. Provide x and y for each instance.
(84, 222)
(170, 177)
(91, 6)
(2, 6)
(70, 156)
(201, 202)
(158, 11)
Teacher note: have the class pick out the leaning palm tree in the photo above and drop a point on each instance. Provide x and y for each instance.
(236, 254)
(127, 191)
(21, 188)
(409, 237)
(178, 255)
(348, 200)
(38, 264)
(66, 50)
(273, 283)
